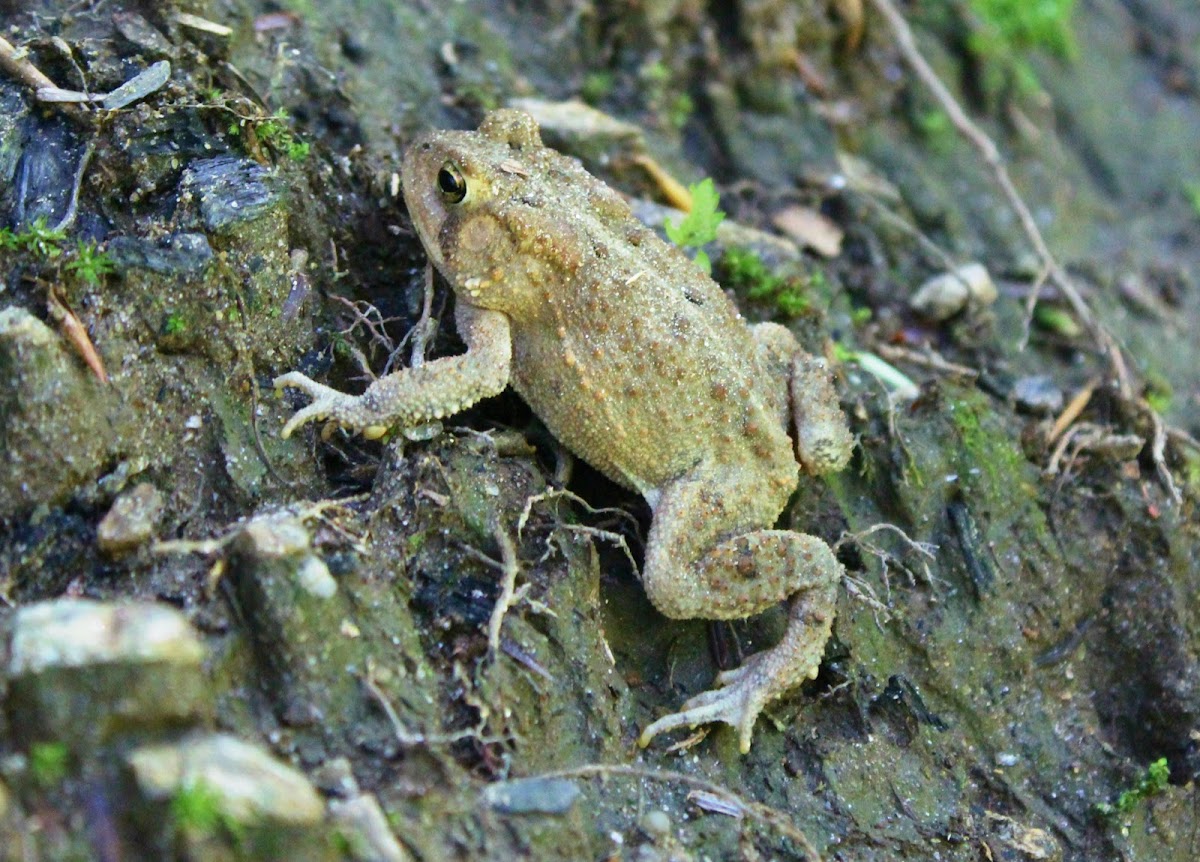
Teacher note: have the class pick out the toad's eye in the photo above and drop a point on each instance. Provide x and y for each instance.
(451, 184)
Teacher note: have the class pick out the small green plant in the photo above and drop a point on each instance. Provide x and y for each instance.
(175, 324)
(745, 271)
(861, 315)
(698, 227)
(89, 263)
(1191, 191)
(1056, 320)
(1008, 30)
(681, 108)
(1159, 393)
(48, 763)
(275, 133)
(39, 239)
(1025, 24)
(198, 808)
(596, 85)
(1153, 782)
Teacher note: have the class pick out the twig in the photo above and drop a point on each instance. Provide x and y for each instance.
(1158, 445)
(1071, 412)
(595, 532)
(770, 817)
(421, 330)
(14, 62)
(68, 218)
(508, 584)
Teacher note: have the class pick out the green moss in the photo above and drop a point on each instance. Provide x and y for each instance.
(681, 108)
(1152, 783)
(596, 85)
(936, 130)
(38, 239)
(1159, 394)
(1191, 190)
(275, 133)
(745, 272)
(48, 763)
(1056, 320)
(988, 450)
(416, 541)
(199, 809)
(175, 324)
(1008, 30)
(1020, 25)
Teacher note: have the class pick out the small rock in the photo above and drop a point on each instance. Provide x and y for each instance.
(362, 820)
(142, 34)
(532, 795)
(175, 254)
(284, 538)
(945, 295)
(55, 433)
(1037, 394)
(656, 824)
(230, 190)
(67, 633)
(45, 172)
(81, 672)
(335, 777)
(250, 787)
(131, 521)
(295, 615)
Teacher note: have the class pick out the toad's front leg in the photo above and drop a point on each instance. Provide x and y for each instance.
(413, 396)
(691, 573)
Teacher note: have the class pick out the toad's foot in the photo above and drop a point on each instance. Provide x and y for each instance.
(742, 693)
(327, 403)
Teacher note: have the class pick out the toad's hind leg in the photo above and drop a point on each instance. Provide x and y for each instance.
(692, 571)
(823, 440)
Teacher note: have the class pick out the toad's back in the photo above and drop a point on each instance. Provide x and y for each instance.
(634, 359)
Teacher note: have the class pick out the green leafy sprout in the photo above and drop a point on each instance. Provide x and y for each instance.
(1152, 783)
(698, 227)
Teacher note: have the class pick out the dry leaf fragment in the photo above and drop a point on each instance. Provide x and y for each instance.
(808, 227)
(76, 333)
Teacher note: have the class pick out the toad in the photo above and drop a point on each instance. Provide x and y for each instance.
(640, 364)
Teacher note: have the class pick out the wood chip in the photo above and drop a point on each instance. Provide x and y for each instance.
(195, 22)
(139, 86)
